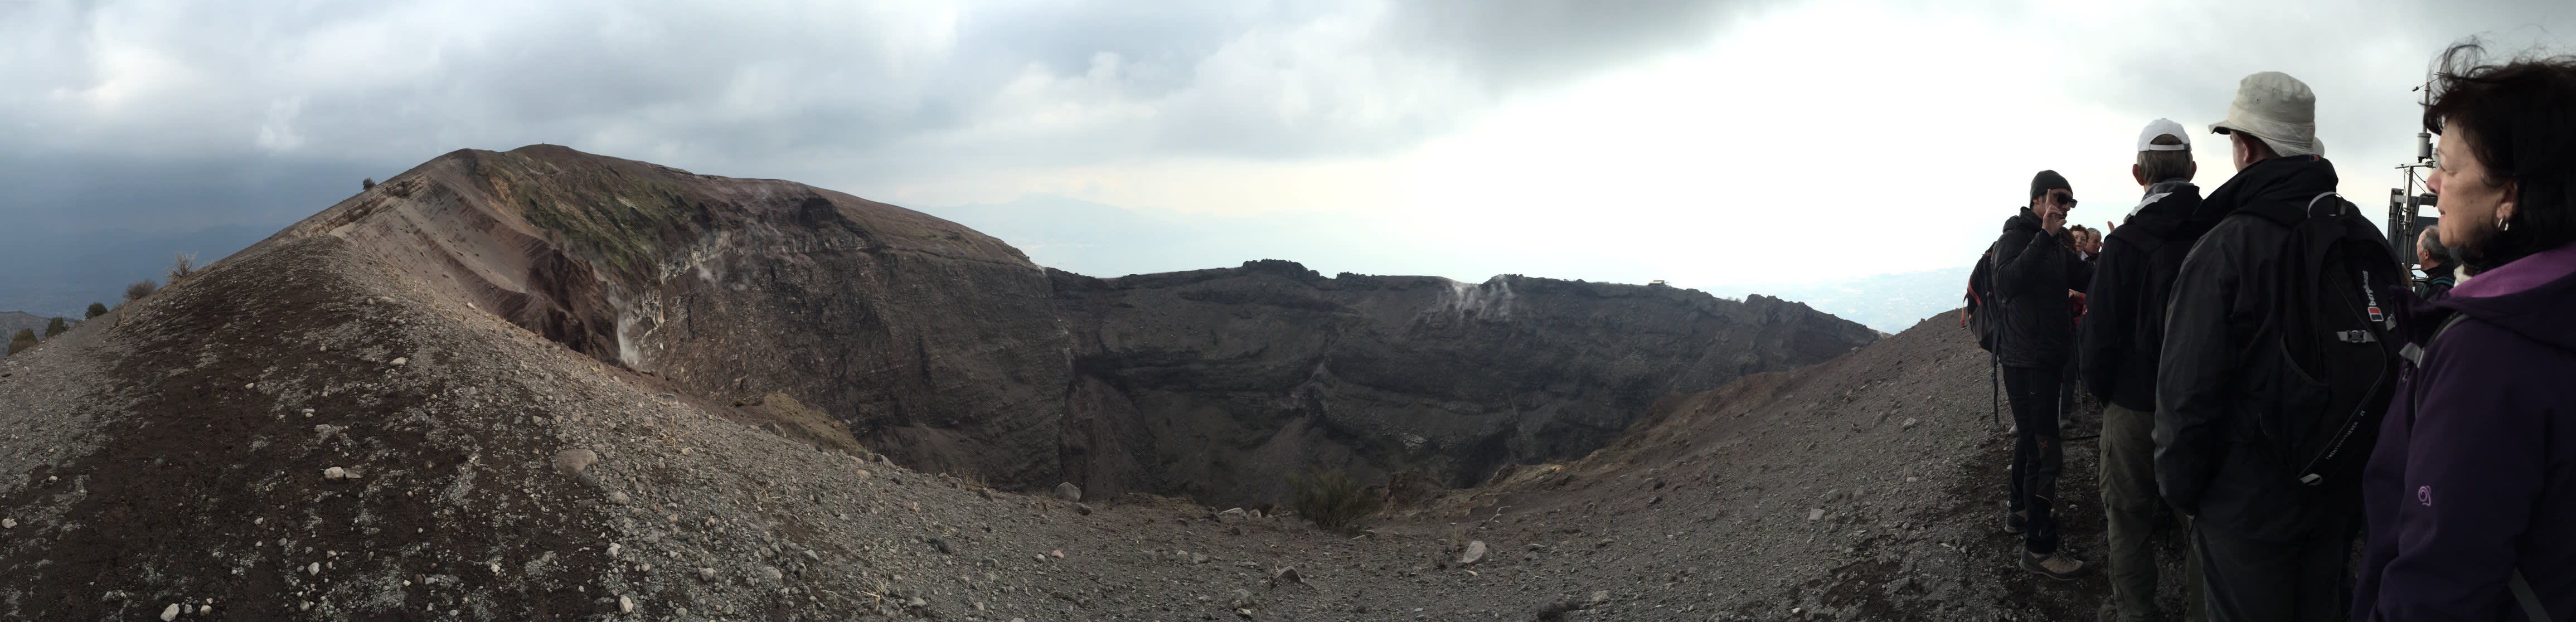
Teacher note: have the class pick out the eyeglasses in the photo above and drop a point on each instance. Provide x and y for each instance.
(2067, 200)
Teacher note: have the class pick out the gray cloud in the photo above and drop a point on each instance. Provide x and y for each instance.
(2361, 60)
(119, 114)
(130, 115)
(713, 84)
(1512, 43)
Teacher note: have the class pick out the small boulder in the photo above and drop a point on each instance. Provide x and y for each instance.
(1067, 491)
(1410, 488)
(1555, 608)
(1475, 553)
(571, 462)
(170, 613)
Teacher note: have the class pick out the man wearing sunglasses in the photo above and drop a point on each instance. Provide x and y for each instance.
(2034, 275)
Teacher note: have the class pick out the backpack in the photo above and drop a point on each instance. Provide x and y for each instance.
(1984, 312)
(1982, 317)
(2164, 257)
(2325, 365)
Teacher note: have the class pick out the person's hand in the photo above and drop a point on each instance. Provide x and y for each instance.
(2053, 220)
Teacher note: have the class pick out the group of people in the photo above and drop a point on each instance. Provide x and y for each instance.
(2237, 340)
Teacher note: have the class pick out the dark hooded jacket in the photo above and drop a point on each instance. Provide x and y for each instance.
(2438, 279)
(2125, 306)
(2211, 459)
(2474, 474)
(2032, 275)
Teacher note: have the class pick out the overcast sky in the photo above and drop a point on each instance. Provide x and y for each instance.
(1705, 143)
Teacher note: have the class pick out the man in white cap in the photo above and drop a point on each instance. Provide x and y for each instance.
(2272, 535)
(2122, 334)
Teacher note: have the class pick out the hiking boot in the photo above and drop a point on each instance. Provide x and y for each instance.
(2058, 565)
(2013, 521)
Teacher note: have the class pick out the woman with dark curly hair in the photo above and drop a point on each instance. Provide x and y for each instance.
(2471, 491)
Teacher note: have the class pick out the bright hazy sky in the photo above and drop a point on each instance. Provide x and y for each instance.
(1701, 143)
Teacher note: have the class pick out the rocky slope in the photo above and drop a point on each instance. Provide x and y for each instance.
(168, 459)
(1221, 383)
(923, 334)
(949, 351)
(1869, 487)
(583, 385)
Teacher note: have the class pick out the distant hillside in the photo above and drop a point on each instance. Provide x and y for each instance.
(1093, 238)
(1887, 302)
(13, 321)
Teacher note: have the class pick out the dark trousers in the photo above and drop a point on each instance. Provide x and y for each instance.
(2036, 455)
(2302, 579)
(2067, 388)
(2129, 505)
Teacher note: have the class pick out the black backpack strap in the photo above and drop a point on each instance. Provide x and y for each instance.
(2415, 353)
(2338, 206)
(2530, 601)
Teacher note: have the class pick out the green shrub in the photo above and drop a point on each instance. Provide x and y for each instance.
(56, 327)
(95, 310)
(367, 184)
(26, 339)
(140, 289)
(1331, 499)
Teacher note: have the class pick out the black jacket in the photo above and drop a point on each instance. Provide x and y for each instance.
(2125, 307)
(2438, 281)
(2032, 274)
(2211, 461)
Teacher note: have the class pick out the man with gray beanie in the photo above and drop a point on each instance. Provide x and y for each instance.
(2034, 277)
(2273, 539)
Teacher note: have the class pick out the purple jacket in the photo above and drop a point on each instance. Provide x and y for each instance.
(2474, 475)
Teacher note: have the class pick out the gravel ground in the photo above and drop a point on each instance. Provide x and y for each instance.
(180, 457)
